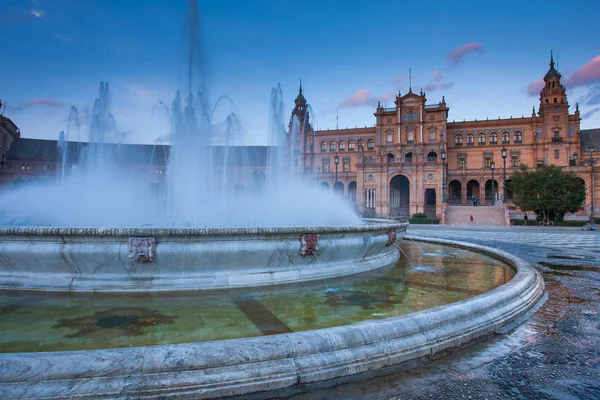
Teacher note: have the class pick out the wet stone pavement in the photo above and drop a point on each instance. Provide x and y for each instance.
(554, 354)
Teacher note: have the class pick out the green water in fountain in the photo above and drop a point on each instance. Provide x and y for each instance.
(435, 276)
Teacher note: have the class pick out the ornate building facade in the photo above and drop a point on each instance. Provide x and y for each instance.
(414, 160)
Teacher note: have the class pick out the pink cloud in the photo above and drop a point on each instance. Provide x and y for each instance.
(438, 75)
(364, 97)
(37, 102)
(533, 89)
(360, 98)
(587, 74)
(432, 87)
(455, 56)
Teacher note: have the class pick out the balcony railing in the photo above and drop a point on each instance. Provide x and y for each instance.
(432, 159)
(557, 140)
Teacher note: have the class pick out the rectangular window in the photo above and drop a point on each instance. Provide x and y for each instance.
(325, 165)
(514, 161)
(410, 137)
(556, 153)
(487, 162)
(539, 132)
(390, 138)
(556, 134)
(571, 130)
(462, 163)
(346, 165)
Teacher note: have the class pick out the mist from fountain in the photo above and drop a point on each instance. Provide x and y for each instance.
(203, 167)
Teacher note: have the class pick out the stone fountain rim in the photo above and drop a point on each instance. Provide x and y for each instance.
(369, 226)
(245, 365)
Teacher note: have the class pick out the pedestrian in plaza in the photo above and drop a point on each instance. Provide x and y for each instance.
(474, 200)
(525, 219)
(471, 218)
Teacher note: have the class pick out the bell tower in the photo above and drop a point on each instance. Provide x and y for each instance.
(300, 134)
(553, 97)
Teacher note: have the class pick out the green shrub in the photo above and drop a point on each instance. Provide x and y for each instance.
(423, 220)
(419, 216)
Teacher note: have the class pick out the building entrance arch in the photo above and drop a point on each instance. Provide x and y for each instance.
(399, 196)
(454, 192)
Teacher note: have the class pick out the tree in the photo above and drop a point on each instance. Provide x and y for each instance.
(548, 191)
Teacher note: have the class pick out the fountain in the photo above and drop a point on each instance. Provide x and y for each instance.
(90, 234)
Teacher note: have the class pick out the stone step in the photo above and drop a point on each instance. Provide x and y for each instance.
(482, 215)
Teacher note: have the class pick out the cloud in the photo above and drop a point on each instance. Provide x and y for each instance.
(438, 82)
(63, 38)
(141, 91)
(592, 97)
(362, 97)
(37, 13)
(456, 56)
(432, 87)
(37, 102)
(534, 88)
(589, 73)
(239, 87)
(365, 97)
(590, 113)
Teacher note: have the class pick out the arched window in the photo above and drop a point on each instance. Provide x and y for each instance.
(481, 139)
(351, 145)
(505, 137)
(408, 157)
(493, 138)
(361, 145)
(409, 116)
(323, 147)
(458, 140)
(518, 137)
(432, 156)
(470, 139)
(342, 146)
(390, 157)
(370, 144)
(332, 146)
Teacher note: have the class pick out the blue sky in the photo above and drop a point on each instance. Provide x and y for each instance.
(486, 58)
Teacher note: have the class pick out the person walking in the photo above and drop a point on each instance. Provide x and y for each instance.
(471, 218)
(474, 200)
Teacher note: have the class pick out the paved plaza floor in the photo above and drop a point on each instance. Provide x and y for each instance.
(554, 354)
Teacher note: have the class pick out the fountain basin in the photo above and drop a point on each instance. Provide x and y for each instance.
(157, 259)
(243, 366)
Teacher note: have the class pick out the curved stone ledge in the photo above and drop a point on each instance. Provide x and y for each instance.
(242, 366)
(156, 259)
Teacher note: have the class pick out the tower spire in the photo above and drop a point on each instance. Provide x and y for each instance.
(300, 86)
(551, 60)
(409, 80)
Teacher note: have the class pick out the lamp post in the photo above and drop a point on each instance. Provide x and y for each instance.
(593, 161)
(493, 166)
(504, 173)
(336, 161)
(443, 156)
